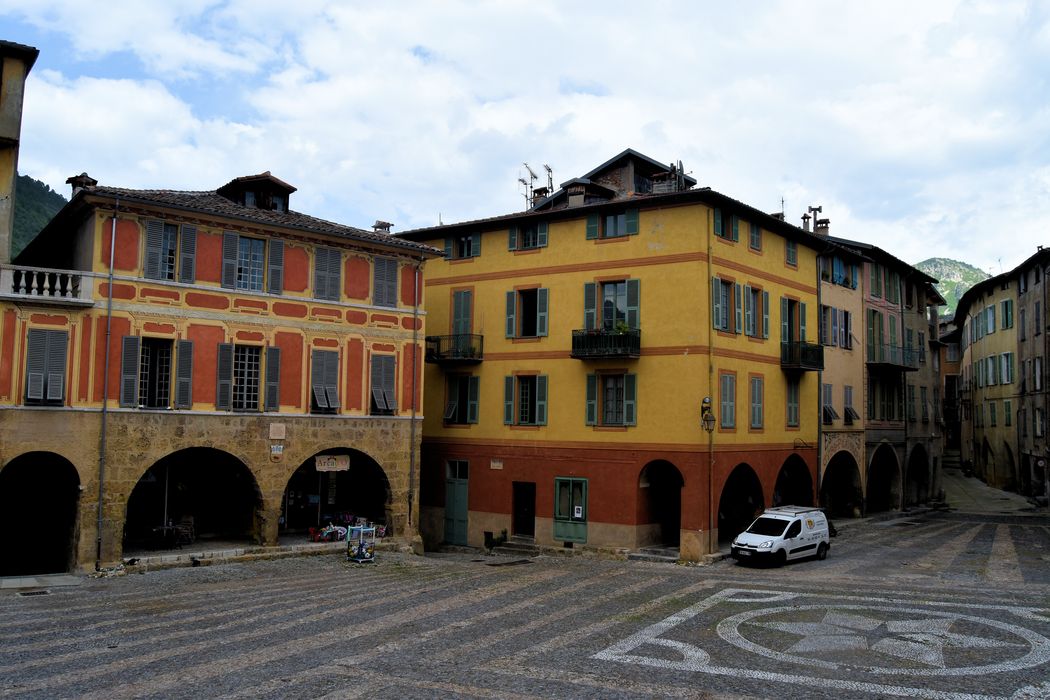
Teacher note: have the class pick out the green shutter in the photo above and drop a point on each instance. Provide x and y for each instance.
(129, 371)
(749, 312)
(765, 314)
(512, 238)
(541, 311)
(448, 248)
(541, 400)
(735, 230)
(633, 303)
(187, 254)
(630, 221)
(541, 234)
(590, 305)
(184, 374)
(718, 223)
(592, 399)
(475, 245)
(785, 321)
(716, 301)
(592, 226)
(508, 400)
(512, 322)
(320, 273)
(473, 391)
(802, 322)
(630, 399)
(737, 308)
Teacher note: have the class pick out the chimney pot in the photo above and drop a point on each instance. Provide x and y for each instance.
(382, 226)
(805, 221)
(81, 181)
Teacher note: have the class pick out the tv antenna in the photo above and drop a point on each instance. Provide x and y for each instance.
(550, 178)
(528, 184)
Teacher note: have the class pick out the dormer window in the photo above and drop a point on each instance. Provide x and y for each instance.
(278, 203)
(249, 199)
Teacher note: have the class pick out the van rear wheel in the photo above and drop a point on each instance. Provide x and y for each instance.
(822, 551)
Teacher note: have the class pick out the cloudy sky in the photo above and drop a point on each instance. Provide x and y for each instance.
(922, 127)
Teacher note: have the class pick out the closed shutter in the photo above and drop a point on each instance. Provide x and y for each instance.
(833, 339)
(317, 378)
(331, 379)
(592, 399)
(716, 302)
(320, 273)
(541, 312)
(765, 314)
(630, 399)
(229, 259)
(802, 322)
(512, 322)
(36, 363)
(634, 292)
(718, 223)
(275, 265)
(630, 221)
(735, 227)
(335, 274)
(188, 254)
(378, 397)
(389, 382)
(592, 226)
(785, 321)
(512, 238)
(448, 248)
(508, 400)
(184, 374)
(384, 282)
(541, 400)
(56, 365)
(475, 245)
(541, 234)
(129, 371)
(473, 393)
(154, 242)
(590, 305)
(749, 312)
(272, 380)
(737, 307)
(224, 377)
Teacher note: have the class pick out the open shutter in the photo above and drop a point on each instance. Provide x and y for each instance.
(592, 226)
(785, 321)
(592, 399)
(590, 305)
(331, 379)
(56, 365)
(473, 394)
(272, 383)
(765, 314)
(475, 245)
(634, 290)
(389, 382)
(334, 267)
(378, 397)
(719, 231)
(630, 399)
(630, 222)
(275, 263)
(229, 259)
(541, 234)
(224, 377)
(188, 254)
(734, 222)
(802, 322)
(36, 363)
(154, 241)
(541, 400)
(184, 374)
(508, 400)
(512, 238)
(129, 371)
(448, 248)
(737, 307)
(512, 321)
(716, 301)
(317, 368)
(749, 312)
(541, 311)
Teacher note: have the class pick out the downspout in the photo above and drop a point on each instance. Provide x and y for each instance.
(105, 388)
(901, 306)
(820, 385)
(415, 365)
(712, 543)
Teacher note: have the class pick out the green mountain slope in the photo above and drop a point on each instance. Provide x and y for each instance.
(955, 278)
(35, 205)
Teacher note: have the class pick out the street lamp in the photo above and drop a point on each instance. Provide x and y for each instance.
(707, 420)
(707, 416)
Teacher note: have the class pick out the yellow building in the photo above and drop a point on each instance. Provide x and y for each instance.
(16, 61)
(576, 348)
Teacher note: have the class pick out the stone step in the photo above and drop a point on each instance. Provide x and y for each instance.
(662, 555)
(517, 547)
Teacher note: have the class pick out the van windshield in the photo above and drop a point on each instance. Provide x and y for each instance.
(770, 527)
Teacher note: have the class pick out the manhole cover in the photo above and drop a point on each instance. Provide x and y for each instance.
(26, 594)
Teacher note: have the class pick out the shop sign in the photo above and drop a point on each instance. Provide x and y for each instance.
(332, 463)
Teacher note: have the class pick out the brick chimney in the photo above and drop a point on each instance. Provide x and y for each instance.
(822, 227)
(81, 181)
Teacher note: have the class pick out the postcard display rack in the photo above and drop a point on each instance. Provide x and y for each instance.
(361, 544)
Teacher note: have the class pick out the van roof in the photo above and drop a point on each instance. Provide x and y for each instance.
(791, 510)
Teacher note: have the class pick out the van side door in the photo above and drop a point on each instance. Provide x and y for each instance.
(792, 539)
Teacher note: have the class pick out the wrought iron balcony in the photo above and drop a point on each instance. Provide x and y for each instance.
(893, 357)
(463, 348)
(602, 343)
(805, 357)
(45, 286)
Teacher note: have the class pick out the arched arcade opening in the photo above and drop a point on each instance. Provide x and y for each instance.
(917, 479)
(794, 485)
(660, 487)
(740, 503)
(39, 501)
(841, 493)
(339, 487)
(884, 481)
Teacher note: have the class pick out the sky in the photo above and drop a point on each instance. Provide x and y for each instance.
(920, 127)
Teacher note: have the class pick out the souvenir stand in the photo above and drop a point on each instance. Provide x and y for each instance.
(361, 543)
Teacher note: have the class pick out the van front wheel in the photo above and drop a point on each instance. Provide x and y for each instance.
(781, 558)
(822, 552)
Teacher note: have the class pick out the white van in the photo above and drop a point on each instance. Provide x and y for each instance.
(787, 532)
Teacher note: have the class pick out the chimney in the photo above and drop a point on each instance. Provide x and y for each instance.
(539, 194)
(81, 181)
(805, 221)
(382, 226)
(822, 226)
(779, 215)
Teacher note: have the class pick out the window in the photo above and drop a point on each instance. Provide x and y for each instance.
(384, 282)
(1037, 374)
(457, 469)
(1008, 417)
(384, 396)
(613, 225)
(328, 268)
(246, 376)
(528, 237)
(1006, 367)
(875, 288)
(757, 418)
(1022, 283)
(1007, 313)
(619, 305)
(527, 313)
(324, 381)
(792, 412)
(791, 254)
(462, 247)
(239, 376)
(246, 264)
(755, 237)
(1020, 325)
(828, 412)
(462, 399)
(726, 314)
(756, 312)
(727, 400)
(1037, 422)
(570, 499)
(46, 366)
(154, 386)
(1037, 320)
(792, 320)
(922, 347)
(727, 227)
(849, 414)
(612, 399)
(170, 248)
(989, 320)
(924, 401)
(525, 400)
(992, 419)
(146, 373)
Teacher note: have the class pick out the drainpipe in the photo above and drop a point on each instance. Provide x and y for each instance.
(820, 383)
(712, 543)
(415, 364)
(105, 388)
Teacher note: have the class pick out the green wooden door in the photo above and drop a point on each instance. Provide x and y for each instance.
(570, 509)
(456, 503)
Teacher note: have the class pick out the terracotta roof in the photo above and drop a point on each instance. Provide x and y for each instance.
(26, 53)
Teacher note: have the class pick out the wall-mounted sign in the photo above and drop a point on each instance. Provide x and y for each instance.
(577, 512)
(332, 463)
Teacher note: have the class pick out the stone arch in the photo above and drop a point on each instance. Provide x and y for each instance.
(794, 485)
(841, 493)
(884, 481)
(39, 503)
(348, 486)
(917, 477)
(741, 501)
(660, 504)
(211, 489)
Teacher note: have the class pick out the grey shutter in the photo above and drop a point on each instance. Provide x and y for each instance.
(335, 274)
(541, 400)
(224, 377)
(154, 241)
(512, 238)
(56, 365)
(630, 399)
(765, 314)
(802, 322)
(389, 382)
(377, 383)
(320, 273)
(590, 305)
(749, 312)
(331, 381)
(184, 374)
(508, 400)
(634, 290)
(275, 265)
(592, 226)
(475, 245)
(592, 399)
(317, 370)
(188, 254)
(384, 274)
(542, 296)
(272, 381)
(716, 301)
(630, 222)
(541, 234)
(737, 306)
(230, 241)
(512, 322)
(129, 371)
(473, 392)
(448, 248)
(36, 363)
(785, 326)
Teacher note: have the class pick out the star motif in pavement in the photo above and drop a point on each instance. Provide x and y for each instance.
(922, 641)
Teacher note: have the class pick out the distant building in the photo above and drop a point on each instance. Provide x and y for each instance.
(16, 61)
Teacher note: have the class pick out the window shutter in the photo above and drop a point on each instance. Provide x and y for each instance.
(331, 378)
(154, 241)
(541, 311)
(590, 305)
(335, 276)
(378, 396)
(634, 288)
(737, 307)
(475, 245)
(224, 377)
(630, 400)
(749, 312)
(508, 400)
(834, 337)
(129, 371)
(272, 380)
(448, 248)
(36, 363)
(718, 222)
(592, 226)
(541, 234)
(320, 273)
(512, 238)
(57, 342)
(541, 400)
(275, 261)
(592, 399)
(765, 314)
(735, 222)
(317, 377)
(184, 374)
(473, 394)
(785, 321)
(389, 382)
(188, 254)
(716, 301)
(384, 273)
(802, 322)
(512, 323)
(229, 259)
(630, 222)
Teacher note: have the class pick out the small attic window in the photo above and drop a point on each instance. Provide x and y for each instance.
(278, 202)
(249, 199)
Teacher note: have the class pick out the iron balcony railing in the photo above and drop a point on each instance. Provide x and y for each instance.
(45, 285)
(602, 343)
(802, 356)
(463, 348)
(895, 356)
